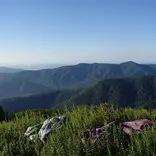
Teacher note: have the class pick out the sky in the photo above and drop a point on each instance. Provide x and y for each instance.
(75, 31)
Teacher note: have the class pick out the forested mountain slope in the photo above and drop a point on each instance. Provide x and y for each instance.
(134, 92)
(67, 77)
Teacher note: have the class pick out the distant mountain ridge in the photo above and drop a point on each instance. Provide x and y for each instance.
(9, 70)
(39, 66)
(68, 77)
(123, 92)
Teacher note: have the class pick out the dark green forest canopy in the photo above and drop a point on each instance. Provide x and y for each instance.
(3, 114)
(123, 92)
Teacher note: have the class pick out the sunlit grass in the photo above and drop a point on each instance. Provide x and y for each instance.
(67, 141)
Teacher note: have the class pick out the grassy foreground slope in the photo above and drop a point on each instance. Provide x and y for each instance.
(67, 141)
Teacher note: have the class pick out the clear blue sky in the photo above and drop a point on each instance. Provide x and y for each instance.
(73, 31)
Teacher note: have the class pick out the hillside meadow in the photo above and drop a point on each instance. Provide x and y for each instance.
(67, 140)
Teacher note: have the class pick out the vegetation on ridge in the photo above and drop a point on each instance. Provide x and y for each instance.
(134, 92)
(67, 141)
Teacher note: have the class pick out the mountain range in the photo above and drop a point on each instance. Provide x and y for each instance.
(39, 66)
(29, 82)
(123, 92)
(9, 70)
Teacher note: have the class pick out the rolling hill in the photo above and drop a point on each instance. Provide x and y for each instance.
(134, 92)
(67, 77)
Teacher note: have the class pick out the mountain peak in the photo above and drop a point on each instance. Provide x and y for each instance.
(129, 62)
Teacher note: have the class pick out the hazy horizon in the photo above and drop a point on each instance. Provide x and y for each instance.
(71, 32)
(56, 65)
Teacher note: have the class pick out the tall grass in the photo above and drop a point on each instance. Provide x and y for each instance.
(67, 141)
